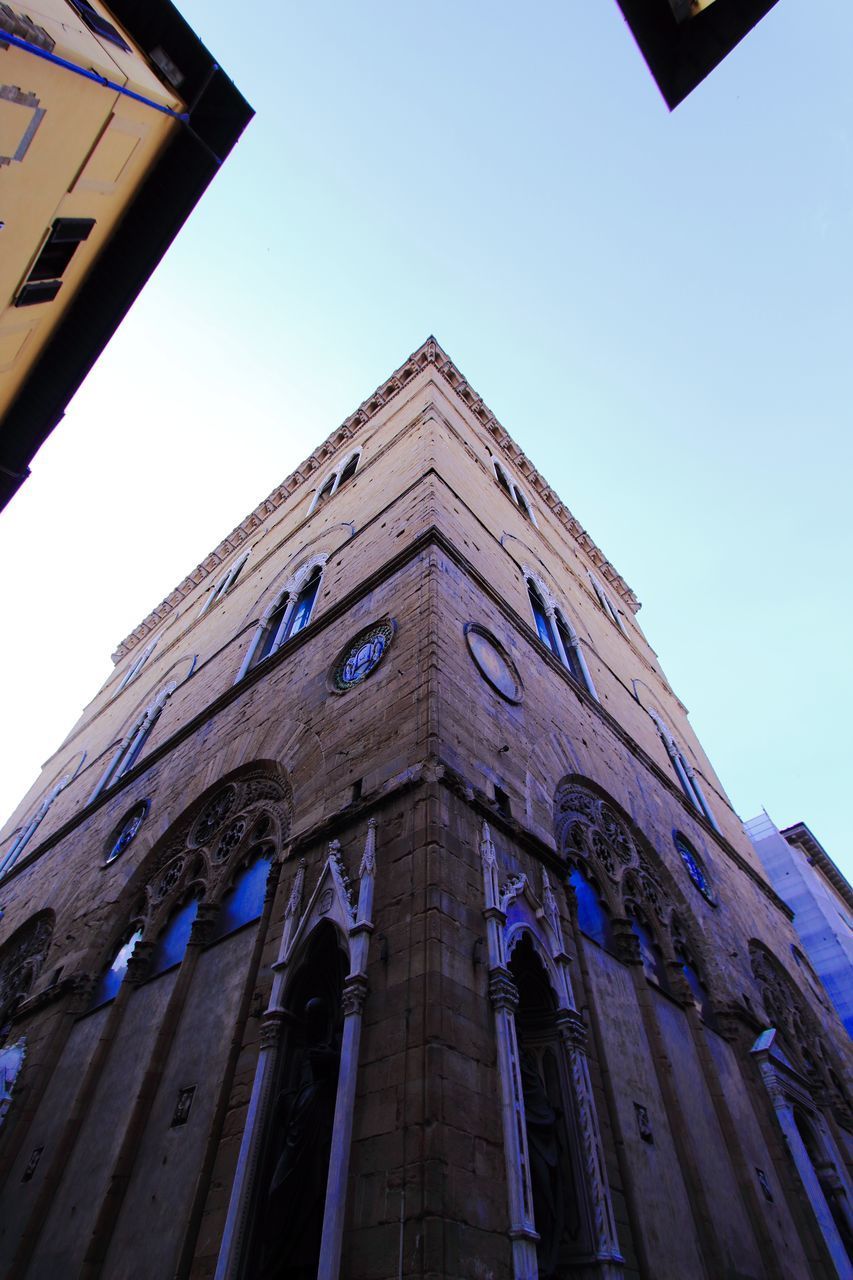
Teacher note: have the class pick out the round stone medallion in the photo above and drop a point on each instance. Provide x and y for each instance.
(493, 662)
(362, 656)
(126, 831)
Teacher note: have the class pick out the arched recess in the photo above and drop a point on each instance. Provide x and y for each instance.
(594, 833)
(801, 1091)
(288, 1199)
(21, 960)
(560, 1212)
(200, 853)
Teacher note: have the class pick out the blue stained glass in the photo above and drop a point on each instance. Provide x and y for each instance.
(113, 977)
(244, 901)
(691, 862)
(172, 942)
(304, 604)
(593, 918)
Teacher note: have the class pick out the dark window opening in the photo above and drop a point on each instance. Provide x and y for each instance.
(349, 470)
(540, 617)
(44, 279)
(172, 942)
(522, 505)
(502, 802)
(301, 615)
(325, 492)
(98, 24)
(570, 650)
(274, 622)
(502, 481)
(593, 916)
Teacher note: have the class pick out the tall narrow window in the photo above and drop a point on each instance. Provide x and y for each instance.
(31, 827)
(244, 901)
(270, 640)
(304, 605)
(172, 942)
(224, 585)
(348, 471)
(502, 480)
(607, 604)
(570, 648)
(593, 916)
(111, 979)
(540, 617)
(326, 492)
(521, 503)
(653, 962)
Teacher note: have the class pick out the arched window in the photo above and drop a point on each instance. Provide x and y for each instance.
(684, 771)
(560, 637)
(128, 752)
(348, 471)
(172, 942)
(224, 585)
(700, 992)
(502, 479)
(244, 901)
(593, 916)
(290, 613)
(111, 979)
(521, 503)
(513, 492)
(304, 604)
(607, 604)
(694, 866)
(326, 492)
(340, 477)
(540, 617)
(29, 829)
(653, 961)
(136, 666)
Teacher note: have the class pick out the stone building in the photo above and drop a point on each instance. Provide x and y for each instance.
(382, 916)
(113, 120)
(807, 879)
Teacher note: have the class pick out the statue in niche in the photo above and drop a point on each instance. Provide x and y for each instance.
(542, 1122)
(304, 1119)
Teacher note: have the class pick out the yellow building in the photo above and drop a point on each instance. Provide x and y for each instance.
(112, 123)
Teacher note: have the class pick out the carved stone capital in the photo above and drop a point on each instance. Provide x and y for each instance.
(271, 1025)
(138, 963)
(503, 992)
(354, 994)
(202, 927)
(627, 942)
(573, 1029)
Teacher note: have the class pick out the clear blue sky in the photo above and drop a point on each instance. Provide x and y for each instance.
(658, 307)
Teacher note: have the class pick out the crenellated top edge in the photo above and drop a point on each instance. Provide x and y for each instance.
(429, 353)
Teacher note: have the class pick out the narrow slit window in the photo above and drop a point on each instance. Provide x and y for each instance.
(348, 471)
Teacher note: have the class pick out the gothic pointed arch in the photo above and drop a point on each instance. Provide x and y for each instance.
(787, 1011)
(22, 957)
(197, 857)
(595, 834)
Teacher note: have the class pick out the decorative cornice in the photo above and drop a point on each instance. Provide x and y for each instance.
(428, 354)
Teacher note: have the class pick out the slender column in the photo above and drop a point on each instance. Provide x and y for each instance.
(79, 1110)
(629, 1189)
(572, 1030)
(355, 993)
(714, 1262)
(587, 674)
(551, 613)
(606, 1243)
(108, 1214)
(248, 1160)
(504, 999)
(783, 1107)
(755, 1211)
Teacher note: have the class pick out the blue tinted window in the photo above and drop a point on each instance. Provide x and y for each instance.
(651, 953)
(244, 901)
(113, 977)
(304, 604)
(593, 917)
(172, 942)
(543, 625)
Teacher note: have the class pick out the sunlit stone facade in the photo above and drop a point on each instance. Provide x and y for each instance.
(450, 957)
